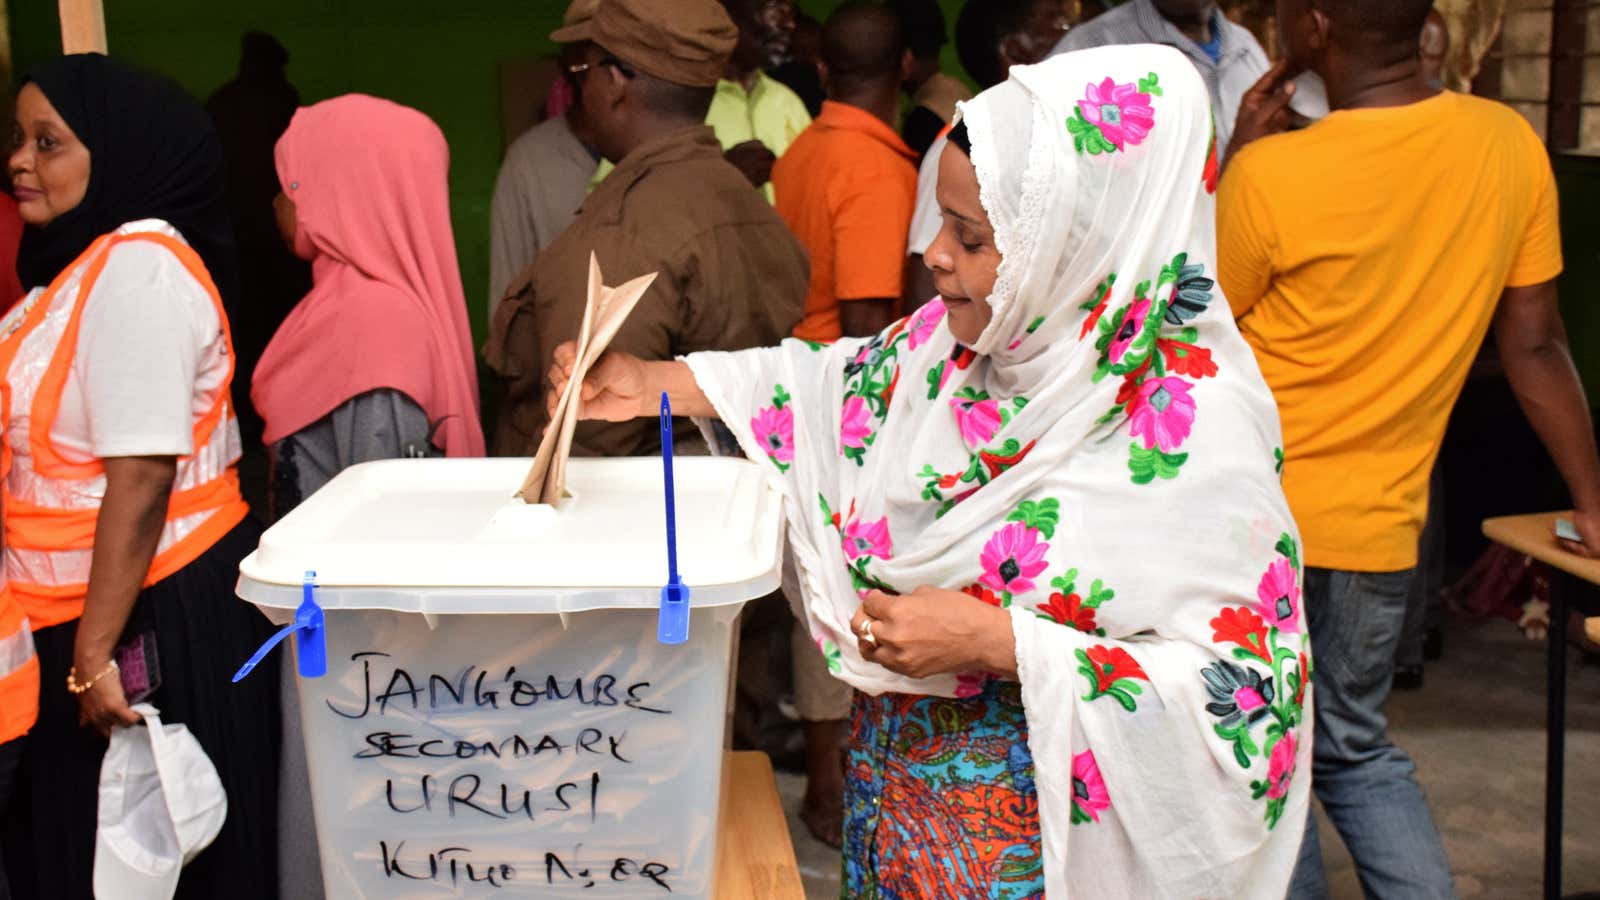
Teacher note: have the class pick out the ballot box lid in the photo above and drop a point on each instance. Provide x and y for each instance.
(447, 536)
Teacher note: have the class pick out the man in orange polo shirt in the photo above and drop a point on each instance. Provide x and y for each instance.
(848, 184)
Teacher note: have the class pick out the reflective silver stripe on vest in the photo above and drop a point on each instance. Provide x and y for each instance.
(16, 649)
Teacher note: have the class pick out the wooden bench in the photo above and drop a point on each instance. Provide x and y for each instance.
(755, 856)
(1535, 535)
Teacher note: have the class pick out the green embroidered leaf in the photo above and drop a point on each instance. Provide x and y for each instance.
(1100, 292)
(780, 397)
(1243, 747)
(935, 376)
(1275, 810)
(1169, 272)
(1277, 456)
(816, 346)
(1112, 416)
(1064, 583)
(1148, 465)
(1042, 516)
(827, 511)
(1127, 702)
(1150, 84)
(1034, 325)
(1157, 365)
(1098, 594)
(1244, 655)
(1287, 548)
(1086, 136)
(830, 652)
(975, 472)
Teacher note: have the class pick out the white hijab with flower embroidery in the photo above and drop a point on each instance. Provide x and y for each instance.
(1102, 461)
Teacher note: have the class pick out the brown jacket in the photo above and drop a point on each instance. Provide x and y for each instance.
(731, 277)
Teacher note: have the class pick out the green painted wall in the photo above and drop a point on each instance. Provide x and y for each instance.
(439, 56)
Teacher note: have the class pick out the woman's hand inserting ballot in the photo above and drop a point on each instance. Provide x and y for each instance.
(932, 631)
(612, 390)
(620, 386)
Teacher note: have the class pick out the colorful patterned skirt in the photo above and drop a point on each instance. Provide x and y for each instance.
(939, 799)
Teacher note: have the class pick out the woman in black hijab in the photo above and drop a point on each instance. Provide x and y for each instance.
(123, 526)
(155, 156)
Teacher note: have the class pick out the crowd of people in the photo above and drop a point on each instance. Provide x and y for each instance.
(1105, 404)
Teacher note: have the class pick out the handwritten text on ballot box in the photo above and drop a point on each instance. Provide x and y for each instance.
(473, 738)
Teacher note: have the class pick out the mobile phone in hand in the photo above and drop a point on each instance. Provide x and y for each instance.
(1568, 531)
(139, 667)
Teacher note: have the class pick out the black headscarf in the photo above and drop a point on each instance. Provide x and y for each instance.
(153, 154)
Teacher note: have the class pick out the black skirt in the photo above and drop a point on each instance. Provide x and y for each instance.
(203, 633)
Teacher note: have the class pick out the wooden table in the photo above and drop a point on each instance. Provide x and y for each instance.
(755, 856)
(1535, 536)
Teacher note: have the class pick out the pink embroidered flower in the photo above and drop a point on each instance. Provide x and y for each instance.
(970, 684)
(1012, 558)
(1162, 412)
(979, 420)
(1281, 766)
(1132, 327)
(1279, 594)
(853, 424)
(867, 539)
(1121, 112)
(774, 428)
(1248, 699)
(925, 322)
(1089, 796)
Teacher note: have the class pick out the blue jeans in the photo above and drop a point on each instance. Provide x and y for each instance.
(1367, 785)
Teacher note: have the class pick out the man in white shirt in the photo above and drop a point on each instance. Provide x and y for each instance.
(541, 184)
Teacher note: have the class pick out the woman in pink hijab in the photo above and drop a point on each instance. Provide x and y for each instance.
(376, 362)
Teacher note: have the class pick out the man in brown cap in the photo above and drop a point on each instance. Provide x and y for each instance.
(731, 275)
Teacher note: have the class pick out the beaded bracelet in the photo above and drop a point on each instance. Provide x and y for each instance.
(73, 687)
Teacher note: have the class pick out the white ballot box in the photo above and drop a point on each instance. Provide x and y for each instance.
(498, 717)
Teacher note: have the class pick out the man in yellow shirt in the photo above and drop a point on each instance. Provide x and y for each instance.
(755, 116)
(1366, 258)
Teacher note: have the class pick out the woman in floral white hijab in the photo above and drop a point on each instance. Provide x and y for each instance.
(1038, 525)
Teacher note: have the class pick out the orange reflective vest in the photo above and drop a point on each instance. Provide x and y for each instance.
(51, 502)
(19, 670)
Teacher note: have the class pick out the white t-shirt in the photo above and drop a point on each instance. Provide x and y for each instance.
(151, 356)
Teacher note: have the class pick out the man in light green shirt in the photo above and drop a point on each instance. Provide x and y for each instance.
(755, 117)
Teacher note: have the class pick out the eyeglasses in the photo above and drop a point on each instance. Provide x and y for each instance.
(622, 67)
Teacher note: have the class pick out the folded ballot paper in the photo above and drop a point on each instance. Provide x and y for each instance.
(605, 310)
